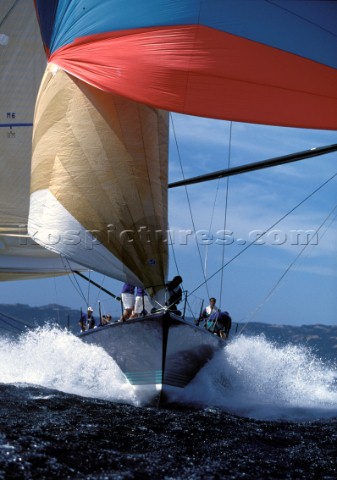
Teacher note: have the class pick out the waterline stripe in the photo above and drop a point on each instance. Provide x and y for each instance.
(139, 378)
(156, 376)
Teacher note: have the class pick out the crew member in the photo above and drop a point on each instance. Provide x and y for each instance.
(87, 320)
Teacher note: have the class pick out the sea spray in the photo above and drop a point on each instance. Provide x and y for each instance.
(250, 377)
(55, 358)
(255, 378)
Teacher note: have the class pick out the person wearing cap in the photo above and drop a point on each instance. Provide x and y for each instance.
(87, 320)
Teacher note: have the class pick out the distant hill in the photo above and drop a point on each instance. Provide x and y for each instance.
(16, 318)
(322, 339)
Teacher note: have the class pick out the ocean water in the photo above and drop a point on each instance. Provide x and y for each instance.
(256, 410)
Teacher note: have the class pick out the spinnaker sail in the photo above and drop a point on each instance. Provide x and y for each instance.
(99, 169)
(243, 60)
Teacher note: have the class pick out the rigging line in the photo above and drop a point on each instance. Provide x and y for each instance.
(301, 17)
(189, 204)
(10, 330)
(272, 291)
(116, 297)
(25, 324)
(100, 290)
(9, 12)
(267, 230)
(73, 280)
(89, 285)
(211, 224)
(226, 208)
(190, 310)
(56, 297)
(11, 326)
(173, 253)
(176, 265)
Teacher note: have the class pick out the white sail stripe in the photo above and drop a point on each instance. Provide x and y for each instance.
(53, 227)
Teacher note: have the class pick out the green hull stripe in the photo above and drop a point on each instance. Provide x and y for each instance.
(155, 377)
(141, 378)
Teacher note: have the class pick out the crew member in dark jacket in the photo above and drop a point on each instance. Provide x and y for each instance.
(175, 294)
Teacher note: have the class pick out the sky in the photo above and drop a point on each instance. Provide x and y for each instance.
(264, 282)
(269, 281)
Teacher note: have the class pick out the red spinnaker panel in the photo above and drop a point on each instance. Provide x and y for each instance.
(201, 71)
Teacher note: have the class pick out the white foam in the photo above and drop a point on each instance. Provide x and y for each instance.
(251, 377)
(255, 378)
(57, 359)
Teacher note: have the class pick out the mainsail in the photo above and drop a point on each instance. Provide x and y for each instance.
(22, 62)
(99, 169)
